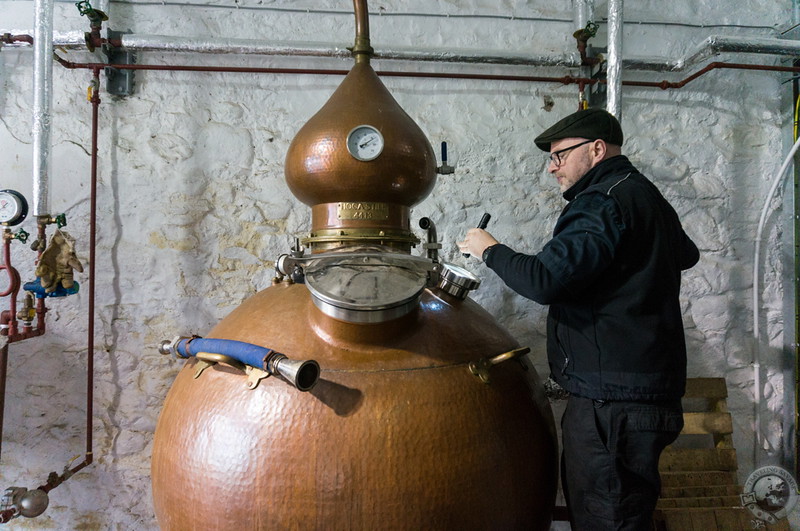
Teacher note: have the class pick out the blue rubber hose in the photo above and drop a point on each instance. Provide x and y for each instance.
(247, 353)
(303, 374)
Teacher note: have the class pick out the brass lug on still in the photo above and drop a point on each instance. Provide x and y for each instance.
(207, 359)
(254, 376)
(480, 368)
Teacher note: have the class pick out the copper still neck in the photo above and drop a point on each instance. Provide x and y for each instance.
(362, 50)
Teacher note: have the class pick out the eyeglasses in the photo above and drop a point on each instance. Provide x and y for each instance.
(558, 158)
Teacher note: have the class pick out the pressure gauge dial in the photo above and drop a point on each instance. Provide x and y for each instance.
(365, 143)
(13, 207)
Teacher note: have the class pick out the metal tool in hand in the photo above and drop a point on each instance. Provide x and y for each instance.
(482, 225)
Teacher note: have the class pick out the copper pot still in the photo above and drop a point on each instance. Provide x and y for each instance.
(423, 416)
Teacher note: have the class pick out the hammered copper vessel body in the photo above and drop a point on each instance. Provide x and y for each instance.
(398, 434)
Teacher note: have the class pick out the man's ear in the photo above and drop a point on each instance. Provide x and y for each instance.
(599, 150)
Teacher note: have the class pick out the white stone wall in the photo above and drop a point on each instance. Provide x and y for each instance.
(193, 208)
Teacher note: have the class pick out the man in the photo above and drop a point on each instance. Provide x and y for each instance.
(611, 274)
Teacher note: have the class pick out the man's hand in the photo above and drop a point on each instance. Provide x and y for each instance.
(476, 241)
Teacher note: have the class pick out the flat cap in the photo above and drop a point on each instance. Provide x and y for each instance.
(591, 124)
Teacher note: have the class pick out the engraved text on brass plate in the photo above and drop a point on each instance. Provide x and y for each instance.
(353, 210)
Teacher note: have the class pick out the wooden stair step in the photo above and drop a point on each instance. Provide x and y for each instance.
(706, 388)
(697, 479)
(708, 422)
(705, 490)
(685, 459)
(700, 501)
(704, 519)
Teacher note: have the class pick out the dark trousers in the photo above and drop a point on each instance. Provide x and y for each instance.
(609, 463)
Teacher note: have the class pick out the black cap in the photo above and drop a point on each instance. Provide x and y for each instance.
(591, 124)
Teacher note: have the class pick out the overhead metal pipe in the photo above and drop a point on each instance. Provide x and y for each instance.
(715, 45)
(257, 47)
(584, 13)
(712, 45)
(614, 67)
(42, 102)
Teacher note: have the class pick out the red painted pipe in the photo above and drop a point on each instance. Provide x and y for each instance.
(12, 39)
(8, 318)
(565, 80)
(3, 373)
(13, 275)
(92, 254)
(8, 515)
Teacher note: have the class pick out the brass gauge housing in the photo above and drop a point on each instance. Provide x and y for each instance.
(13, 208)
(365, 143)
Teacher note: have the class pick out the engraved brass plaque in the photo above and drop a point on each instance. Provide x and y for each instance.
(354, 210)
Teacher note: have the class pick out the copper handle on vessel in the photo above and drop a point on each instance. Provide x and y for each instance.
(480, 368)
(213, 357)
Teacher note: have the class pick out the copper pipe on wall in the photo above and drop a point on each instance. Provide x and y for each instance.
(565, 80)
(13, 275)
(7, 38)
(9, 317)
(664, 85)
(92, 255)
(3, 374)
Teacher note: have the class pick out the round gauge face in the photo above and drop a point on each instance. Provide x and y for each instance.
(365, 142)
(13, 207)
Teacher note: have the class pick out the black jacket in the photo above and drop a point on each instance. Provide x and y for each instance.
(611, 275)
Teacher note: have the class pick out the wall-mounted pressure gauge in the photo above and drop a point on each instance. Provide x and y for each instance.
(13, 207)
(365, 142)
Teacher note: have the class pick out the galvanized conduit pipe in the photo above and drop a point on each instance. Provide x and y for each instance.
(778, 179)
(713, 45)
(584, 13)
(614, 66)
(42, 102)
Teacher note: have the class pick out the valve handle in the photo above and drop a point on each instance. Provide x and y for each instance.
(21, 235)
